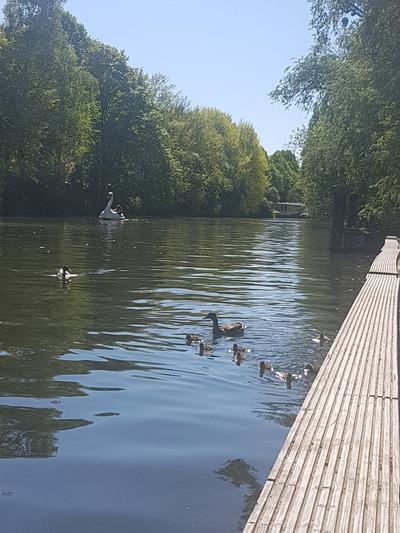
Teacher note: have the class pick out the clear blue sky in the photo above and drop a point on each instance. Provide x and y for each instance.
(220, 53)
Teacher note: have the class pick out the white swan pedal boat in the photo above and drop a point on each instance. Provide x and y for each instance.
(111, 214)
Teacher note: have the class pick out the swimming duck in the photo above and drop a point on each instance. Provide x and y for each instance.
(205, 348)
(238, 349)
(193, 339)
(321, 339)
(264, 367)
(64, 273)
(239, 357)
(286, 377)
(310, 369)
(236, 328)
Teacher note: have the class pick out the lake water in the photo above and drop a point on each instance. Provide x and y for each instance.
(109, 422)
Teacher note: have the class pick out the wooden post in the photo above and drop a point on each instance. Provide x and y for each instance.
(338, 216)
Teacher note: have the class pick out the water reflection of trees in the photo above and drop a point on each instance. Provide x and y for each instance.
(331, 280)
(280, 413)
(30, 432)
(239, 473)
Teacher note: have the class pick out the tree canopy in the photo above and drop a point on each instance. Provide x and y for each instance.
(76, 120)
(349, 81)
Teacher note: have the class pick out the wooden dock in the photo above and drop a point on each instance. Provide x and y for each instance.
(339, 468)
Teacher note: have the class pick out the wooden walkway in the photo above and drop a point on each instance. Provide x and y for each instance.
(338, 470)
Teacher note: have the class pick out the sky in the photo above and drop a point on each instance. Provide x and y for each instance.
(219, 53)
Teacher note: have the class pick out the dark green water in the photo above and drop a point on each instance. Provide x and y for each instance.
(108, 421)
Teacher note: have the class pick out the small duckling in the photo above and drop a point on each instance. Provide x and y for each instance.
(264, 367)
(321, 339)
(239, 357)
(286, 377)
(193, 339)
(238, 349)
(205, 348)
(64, 273)
(310, 369)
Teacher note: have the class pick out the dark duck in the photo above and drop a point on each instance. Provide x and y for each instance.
(228, 330)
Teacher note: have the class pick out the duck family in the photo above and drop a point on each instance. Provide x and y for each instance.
(239, 352)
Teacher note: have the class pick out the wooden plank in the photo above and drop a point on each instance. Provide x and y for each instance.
(296, 439)
(327, 462)
(387, 261)
(340, 448)
(339, 467)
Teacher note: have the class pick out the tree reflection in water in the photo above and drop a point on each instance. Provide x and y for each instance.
(30, 432)
(239, 473)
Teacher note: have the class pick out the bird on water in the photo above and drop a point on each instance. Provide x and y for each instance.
(321, 339)
(193, 339)
(238, 349)
(264, 367)
(237, 328)
(310, 369)
(64, 273)
(205, 348)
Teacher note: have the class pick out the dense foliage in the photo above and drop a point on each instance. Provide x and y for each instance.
(77, 120)
(285, 173)
(350, 82)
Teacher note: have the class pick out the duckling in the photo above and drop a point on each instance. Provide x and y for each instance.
(321, 339)
(236, 328)
(205, 348)
(264, 367)
(64, 273)
(239, 357)
(286, 377)
(310, 369)
(238, 349)
(193, 339)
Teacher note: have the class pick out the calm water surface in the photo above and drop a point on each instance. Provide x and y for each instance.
(109, 422)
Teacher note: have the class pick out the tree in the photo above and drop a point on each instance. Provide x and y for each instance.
(349, 81)
(285, 172)
(47, 103)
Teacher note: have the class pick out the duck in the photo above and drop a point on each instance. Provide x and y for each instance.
(64, 273)
(264, 367)
(111, 214)
(192, 339)
(321, 339)
(238, 349)
(286, 377)
(228, 330)
(310, 369)
(239, 357)
(205, 348)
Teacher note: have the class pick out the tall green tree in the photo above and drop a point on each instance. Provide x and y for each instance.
(47, 104)
(284, 170)
(350, 82)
